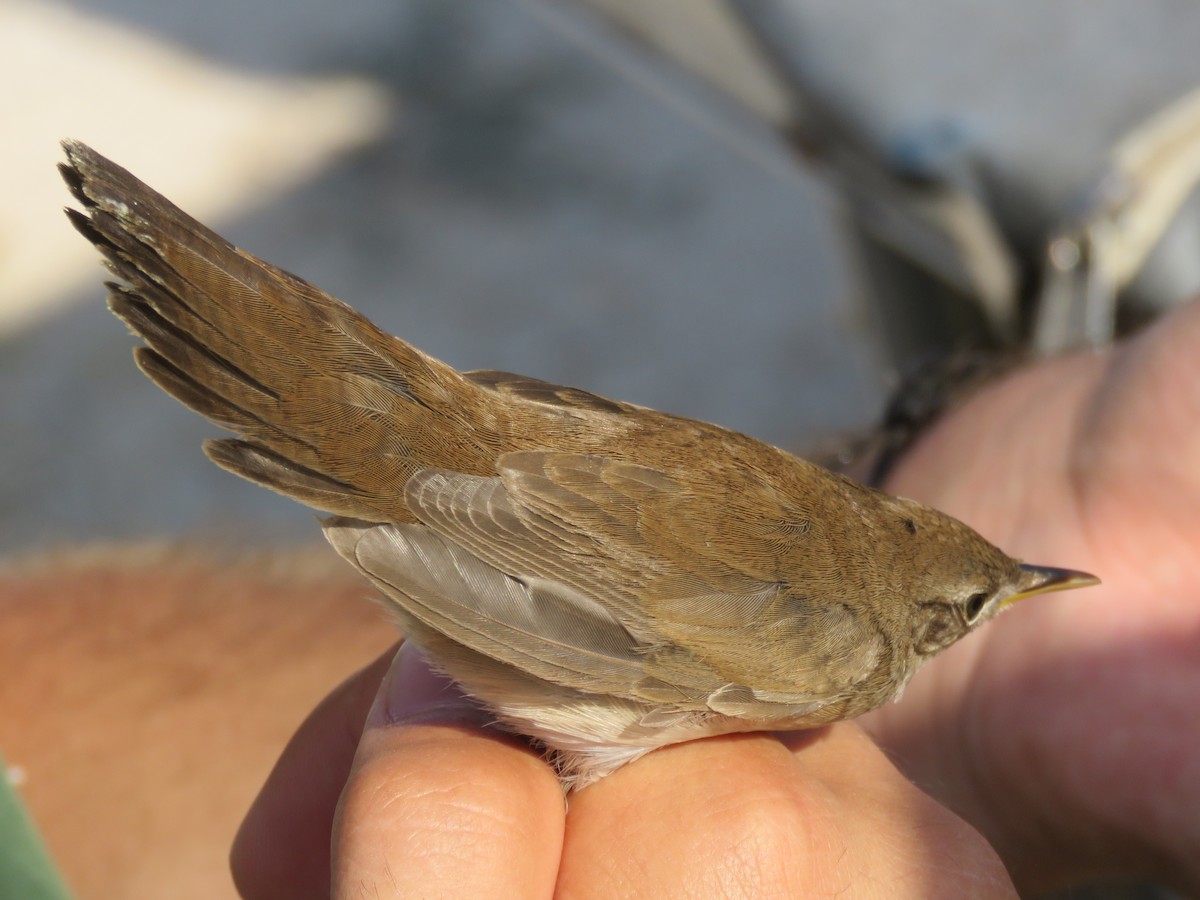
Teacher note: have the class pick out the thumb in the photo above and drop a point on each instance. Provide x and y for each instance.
(438, 803)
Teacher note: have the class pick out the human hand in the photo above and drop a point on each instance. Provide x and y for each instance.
(1063, 731)
(1067, 731)
(435, 803)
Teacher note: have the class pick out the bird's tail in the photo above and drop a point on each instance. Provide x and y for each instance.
(327, 408)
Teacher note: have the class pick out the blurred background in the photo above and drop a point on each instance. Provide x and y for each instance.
(461, 172)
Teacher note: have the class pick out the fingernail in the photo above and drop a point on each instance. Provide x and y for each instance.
(412, 693)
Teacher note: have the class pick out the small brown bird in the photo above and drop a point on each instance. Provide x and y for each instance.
(605, 578)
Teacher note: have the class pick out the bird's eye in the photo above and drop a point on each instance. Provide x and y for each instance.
(974, 606)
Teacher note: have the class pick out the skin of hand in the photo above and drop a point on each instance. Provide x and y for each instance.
(433, 800)
(1067, 730)
(149, 687)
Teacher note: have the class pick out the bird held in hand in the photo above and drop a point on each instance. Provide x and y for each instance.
(605, 578)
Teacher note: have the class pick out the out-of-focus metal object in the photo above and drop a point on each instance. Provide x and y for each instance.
(1097, 259)
(1014, 175)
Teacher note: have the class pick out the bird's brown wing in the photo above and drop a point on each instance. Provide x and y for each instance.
(547, 393)
(546, 568)
(711, 585)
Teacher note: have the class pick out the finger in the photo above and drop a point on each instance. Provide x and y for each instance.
(1136, 443)
(900, 831)
(437, 804)
(715, 817)
(282, 848)
(744, 816)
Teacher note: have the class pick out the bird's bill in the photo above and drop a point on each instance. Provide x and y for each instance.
(1043, 579)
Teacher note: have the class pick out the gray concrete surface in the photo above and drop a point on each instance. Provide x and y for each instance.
(525, 209)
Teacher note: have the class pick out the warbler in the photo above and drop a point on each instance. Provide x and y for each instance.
(605, 578)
